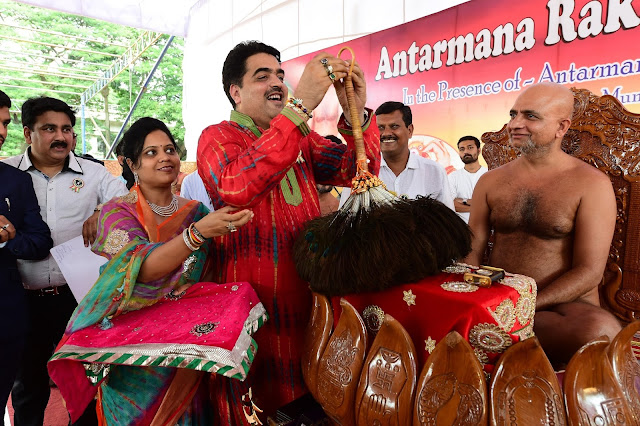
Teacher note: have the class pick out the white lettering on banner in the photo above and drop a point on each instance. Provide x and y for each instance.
(444, 92)
(506, 39)
(591, 25)
(458, 49)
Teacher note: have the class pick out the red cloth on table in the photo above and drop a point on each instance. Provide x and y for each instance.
(491, 319)
(240, 167)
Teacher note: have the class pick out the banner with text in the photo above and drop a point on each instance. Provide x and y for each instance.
(460, 70)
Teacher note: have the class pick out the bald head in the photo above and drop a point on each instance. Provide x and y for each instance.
(540, 117)
(558, 98)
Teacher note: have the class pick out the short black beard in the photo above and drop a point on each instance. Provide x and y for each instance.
(469, 161)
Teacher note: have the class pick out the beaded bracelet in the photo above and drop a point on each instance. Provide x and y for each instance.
(195, 235)
(188, 242)
(296, 105)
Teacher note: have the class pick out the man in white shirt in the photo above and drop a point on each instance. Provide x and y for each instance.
(68, 189)
(464, 180)
(193, 189)
(404, 172)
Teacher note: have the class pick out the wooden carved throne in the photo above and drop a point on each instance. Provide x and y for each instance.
(607, 136)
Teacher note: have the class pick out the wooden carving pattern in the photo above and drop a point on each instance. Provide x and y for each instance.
(606, 136)
(592, 391)
(334, 373)
(315, 342)
(387, 383)
(629, 386)
(388, 378)
(340, 366)
(439, 390)
(470, 408)
(612, 413)
(534, 387)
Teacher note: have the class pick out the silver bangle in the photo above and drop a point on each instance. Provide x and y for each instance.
(187, 240)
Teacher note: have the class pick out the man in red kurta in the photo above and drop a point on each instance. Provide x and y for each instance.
(266, 158)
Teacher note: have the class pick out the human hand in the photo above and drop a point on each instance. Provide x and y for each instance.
(223, 221)
(315, 80)
(360, 89)
(7, 230)
(90, 229)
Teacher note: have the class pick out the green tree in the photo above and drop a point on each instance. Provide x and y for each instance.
(67, 54)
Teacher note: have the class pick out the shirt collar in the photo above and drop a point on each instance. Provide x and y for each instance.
(412, 162)
(70, 163)
(245, 121)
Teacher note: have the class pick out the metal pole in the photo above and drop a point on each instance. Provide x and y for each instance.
(84, 127)
(135, 103)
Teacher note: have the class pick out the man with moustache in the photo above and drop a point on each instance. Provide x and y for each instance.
(69, 190)
(266, 158)
(406, 173)
(553, 218)
(464, 180)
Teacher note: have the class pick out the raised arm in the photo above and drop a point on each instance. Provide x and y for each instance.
(479, 221)
(594, 227)
(335, 164)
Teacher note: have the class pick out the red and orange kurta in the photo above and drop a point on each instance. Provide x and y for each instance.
(274, 172)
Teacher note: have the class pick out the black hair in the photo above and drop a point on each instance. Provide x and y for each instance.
(5, 101)
(34, 107)
(470, 138)
(133, 141)
(391, 106)
(235, 66)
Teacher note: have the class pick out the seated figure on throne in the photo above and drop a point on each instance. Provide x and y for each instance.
(553, 218)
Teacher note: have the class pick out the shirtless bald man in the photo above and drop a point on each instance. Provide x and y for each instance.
(553, 218)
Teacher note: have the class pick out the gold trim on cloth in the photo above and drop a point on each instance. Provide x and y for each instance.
(525, 332)
(522, 284)
(505, 314)
(373, 316)
(116, 239)
(131, 197)
(459, 287)
(233, 363)
(526, 308)
(457, 268)
(489, 337)
(409, 297)
(481, 355)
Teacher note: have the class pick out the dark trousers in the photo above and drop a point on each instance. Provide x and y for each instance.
(10, 356)
(48, 317)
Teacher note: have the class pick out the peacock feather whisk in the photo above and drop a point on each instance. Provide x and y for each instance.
(377, 240)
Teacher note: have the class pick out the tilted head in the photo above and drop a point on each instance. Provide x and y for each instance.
(540, 117)
(395, 123)
(468, 149)
(5, 116)
(254, 81)
(146, 144)
(48, 128)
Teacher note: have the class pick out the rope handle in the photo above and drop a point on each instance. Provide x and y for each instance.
(356, 126)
